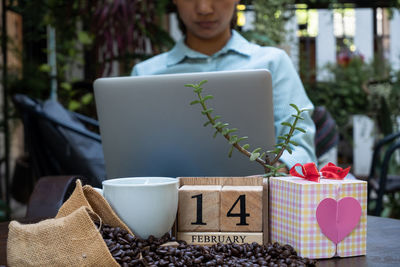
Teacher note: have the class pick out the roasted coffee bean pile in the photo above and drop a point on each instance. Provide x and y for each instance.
(226, 255)
(123, 246)
(128, 250)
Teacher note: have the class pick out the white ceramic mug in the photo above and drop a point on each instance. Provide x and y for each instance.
(147, 205)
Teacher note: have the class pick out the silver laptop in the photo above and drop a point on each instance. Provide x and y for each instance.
(149, 128)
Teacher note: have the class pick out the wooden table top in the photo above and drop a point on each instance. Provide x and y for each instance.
(383, 245)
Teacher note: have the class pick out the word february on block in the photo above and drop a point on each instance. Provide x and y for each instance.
(209, 238)
(229, 208)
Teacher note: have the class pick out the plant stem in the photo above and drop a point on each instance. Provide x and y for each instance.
(291, 131)
(269, 166)
(227, 136)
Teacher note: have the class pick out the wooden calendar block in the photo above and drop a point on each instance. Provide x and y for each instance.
(199, 208)
(210, 238)
(241, 209)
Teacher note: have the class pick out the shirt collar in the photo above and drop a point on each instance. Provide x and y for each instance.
(180, 51)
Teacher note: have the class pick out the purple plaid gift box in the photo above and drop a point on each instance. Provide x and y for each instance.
(319, 219)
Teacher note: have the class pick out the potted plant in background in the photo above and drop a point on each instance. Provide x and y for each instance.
(92, 39)
(369, 90)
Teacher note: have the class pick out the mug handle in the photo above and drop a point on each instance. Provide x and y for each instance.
(98, 190)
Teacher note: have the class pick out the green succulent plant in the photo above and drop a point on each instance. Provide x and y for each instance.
(269, 159)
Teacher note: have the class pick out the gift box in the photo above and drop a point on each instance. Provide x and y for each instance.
(320, 218)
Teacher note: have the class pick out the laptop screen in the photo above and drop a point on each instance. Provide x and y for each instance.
(149, 128)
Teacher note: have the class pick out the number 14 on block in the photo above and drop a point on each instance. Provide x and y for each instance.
(220, 208)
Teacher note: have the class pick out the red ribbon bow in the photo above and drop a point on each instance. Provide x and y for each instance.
(311, 173)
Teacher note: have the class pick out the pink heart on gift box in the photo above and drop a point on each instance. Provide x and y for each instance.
(337, 219)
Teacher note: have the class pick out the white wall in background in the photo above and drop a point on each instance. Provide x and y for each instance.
(293, 41)
(395, 40)
(325, 43)
(363, 138)
(364, 36)
(250, 18)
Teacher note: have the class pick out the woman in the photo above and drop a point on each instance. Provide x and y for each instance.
(210, 44)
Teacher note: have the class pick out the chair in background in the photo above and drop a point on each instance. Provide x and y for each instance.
(379, 179)
(58, 143)
(48, 195)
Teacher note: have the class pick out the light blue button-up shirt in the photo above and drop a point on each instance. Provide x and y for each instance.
(238, 54)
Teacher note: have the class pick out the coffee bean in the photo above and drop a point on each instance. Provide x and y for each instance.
(127, 249)
(113, 248)
(117, 253)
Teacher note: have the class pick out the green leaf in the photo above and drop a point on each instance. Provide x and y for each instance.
(85, 38)
(215, 134)
(300, 129)
(204, 112)
(269, 166)
(202, 82)
(206, 123)
(190, 85)
(295, 107)
(269, 174)
(256, 150)
(262, 155)
(74, 105)
(207, 97)
(45, 68)
(87, 98)
(242, 138)
(285, 123)
(217, 117)
(289, 150)
(233, 140)
(198, 90)
(232, 130)
(224, 125)
(246, 146)
(194, 102)
(225, 131)
(230, 152)
(281, 166)
(281, 147)
(254, 156)
(281, 137)
(217, 124)
(293, 143)
(66, 86)
(275, 151)
(297, 117)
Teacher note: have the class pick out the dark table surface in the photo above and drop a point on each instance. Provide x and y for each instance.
(383, 245)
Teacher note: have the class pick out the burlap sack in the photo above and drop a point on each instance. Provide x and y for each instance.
(73, 240)
(70, 239)
(87, 196)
